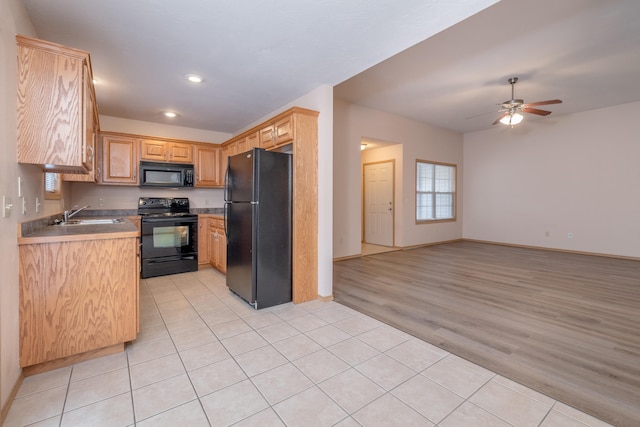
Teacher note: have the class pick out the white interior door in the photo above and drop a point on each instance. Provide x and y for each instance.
(378, 203)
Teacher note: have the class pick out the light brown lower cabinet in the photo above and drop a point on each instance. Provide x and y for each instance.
(76, 297)
(217, 245)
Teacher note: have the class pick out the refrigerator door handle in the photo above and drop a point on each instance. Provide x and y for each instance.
(226, 184)
(225, 219)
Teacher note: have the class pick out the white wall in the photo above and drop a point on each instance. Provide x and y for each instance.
(420, 141)
(126, 197)
(574, 173)
(13, 19)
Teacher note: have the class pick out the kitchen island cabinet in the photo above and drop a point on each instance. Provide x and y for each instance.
(78, 294)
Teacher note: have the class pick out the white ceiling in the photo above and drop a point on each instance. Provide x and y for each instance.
(257, 56)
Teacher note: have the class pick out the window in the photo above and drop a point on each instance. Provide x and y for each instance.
(52, 186)
(435, 191)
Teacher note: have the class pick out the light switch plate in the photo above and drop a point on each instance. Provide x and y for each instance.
(7, 204)
(19, 186)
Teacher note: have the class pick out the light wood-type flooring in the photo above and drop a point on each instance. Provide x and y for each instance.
(566, 325)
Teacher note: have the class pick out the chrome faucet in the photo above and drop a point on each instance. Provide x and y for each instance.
(69, 214)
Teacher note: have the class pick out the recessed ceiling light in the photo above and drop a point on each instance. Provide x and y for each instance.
(194, 78)
(170, 114)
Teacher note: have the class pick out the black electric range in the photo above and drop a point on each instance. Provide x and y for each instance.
(169, 235)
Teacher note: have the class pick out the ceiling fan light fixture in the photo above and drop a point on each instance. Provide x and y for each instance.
(512, 119)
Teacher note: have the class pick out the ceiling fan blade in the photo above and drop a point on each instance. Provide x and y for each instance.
(536, 111)
(550, 101)
(506, 113)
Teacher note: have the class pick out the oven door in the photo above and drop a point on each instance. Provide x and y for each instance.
(169, 245)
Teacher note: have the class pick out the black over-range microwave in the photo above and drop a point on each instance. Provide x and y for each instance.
(166, 175)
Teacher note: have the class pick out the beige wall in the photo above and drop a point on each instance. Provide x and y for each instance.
(419, 141)
(574, 173)
(13, 19)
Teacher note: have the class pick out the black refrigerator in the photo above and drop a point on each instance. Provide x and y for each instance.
(258, 226)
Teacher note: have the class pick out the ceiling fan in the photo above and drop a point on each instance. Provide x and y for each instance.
(512, 109)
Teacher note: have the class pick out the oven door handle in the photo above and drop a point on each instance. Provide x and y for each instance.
(172, 259)
(168, 219)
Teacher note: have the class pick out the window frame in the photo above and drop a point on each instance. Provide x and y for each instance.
(56, 194)
(454, 193)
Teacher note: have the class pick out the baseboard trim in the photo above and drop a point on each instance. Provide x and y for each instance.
(397, 248)
(7, 406)
(543, 248)
(327, 298)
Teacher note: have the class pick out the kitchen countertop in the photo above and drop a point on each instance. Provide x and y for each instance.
(68, 233)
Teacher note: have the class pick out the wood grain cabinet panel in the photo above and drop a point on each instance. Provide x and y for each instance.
(207, 166)
(91, 139)
(55, 87)
(166, 151)
(203, 240)
(77, 297)
(119, 159)
(217, 245)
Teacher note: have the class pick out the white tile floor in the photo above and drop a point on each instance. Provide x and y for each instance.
(204, 357)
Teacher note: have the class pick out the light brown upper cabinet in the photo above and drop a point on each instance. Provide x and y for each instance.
(55, 115)
(279, 133)
(207, 166)
(119, 159)
(166, 151)
(91, 138)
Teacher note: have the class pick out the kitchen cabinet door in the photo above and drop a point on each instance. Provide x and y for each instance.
(207, 166)
(221, 256)
(213, 243)
(53, 86)
(91, 139)
(77, 297)
(203, 240)
(180, 152)
(119, 160)
(279, 133)
(253, 141)
(153, 150)
(166, 151)
(217, 245)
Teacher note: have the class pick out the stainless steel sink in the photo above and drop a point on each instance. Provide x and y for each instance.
(96, 221)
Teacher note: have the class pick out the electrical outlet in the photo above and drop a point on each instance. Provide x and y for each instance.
(19, 186)
(101, 201)
(7, 204)
(570, 236)
(24, 206)
(37, 205)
